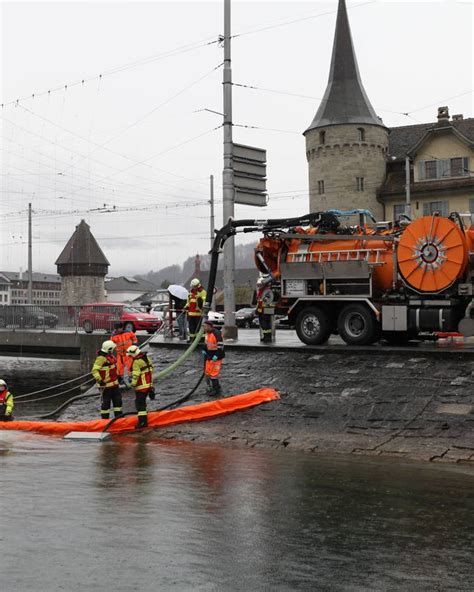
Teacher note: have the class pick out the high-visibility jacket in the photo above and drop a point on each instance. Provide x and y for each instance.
(214, 346)
(195, 302)
(142, 373)
(124, 341)
(104, 370)
(6, 403)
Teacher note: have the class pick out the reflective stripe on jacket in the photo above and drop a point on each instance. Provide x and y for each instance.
(196, 299)
(123, 341)
(104, 370)
(142, 373)
(6, 403)
(214, 346)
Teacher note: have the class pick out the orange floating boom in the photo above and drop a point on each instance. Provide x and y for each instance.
(156, 419)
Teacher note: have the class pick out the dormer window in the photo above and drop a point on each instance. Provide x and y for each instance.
(322, 137)
(361, 134)
(443, 168)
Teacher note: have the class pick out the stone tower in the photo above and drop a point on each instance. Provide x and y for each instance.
(346, 143)
(82, 266)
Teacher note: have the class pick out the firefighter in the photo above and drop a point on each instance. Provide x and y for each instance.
(194, 305)
(142, 382)
(213, 355)
(264, 301)
(6, 402)
(123, 340)
(104, 371)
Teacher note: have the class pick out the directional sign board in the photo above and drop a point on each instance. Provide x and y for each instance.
(250, 175)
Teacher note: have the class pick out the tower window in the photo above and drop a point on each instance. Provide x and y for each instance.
(322, 138)
(320, 187)
(360, 183)
(361, 134)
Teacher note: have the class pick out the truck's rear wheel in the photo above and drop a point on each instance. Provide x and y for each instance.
(357, 325)
(312, 325)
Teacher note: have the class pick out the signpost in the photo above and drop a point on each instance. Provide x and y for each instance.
(250, 175)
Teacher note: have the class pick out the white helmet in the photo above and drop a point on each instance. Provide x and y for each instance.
(108, 346)
(133, 351)
(195, 282)
(3, 385)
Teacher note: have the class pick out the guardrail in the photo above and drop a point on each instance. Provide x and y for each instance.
(88, 318)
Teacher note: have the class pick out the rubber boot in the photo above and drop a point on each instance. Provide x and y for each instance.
(216, 387)
(142, 422)
(209, 387)
(118, 413)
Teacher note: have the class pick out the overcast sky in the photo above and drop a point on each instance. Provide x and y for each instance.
(135, 137)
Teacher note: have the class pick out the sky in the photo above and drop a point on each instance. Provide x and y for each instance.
(104, 117)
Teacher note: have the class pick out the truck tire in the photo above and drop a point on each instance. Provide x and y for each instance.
(312, 325)
(357, 325)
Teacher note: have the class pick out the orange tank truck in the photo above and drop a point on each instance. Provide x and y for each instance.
(367, 283)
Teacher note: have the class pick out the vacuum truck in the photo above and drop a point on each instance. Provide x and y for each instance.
(368, 280)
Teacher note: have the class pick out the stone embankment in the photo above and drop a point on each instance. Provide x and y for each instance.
(392, 403)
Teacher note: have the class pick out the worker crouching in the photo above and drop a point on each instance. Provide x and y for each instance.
(213, 355)
(142, 382)
(105, 373)
(6, 402)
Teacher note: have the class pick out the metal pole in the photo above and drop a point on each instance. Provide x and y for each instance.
(211, 201)
(228, 185)
(30, 259)
(407, 187)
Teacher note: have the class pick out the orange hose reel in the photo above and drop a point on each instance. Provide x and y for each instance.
(432, 254)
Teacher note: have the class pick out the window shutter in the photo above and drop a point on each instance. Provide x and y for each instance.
(421, 170)
(426, 209)
(465, 166)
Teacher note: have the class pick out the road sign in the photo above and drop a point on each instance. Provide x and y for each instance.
(250, 175)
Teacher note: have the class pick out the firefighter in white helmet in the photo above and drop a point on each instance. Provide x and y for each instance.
(142, 382)
(105, 373)
(194, 306)
(6, 402)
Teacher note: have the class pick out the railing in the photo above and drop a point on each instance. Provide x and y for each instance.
(87, 318)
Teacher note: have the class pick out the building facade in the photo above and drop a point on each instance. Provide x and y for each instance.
(14, 288)
(355, 161)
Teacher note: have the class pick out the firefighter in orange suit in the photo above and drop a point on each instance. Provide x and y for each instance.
(6, 402)
(213, 355)
(194, 305)
(264, 301)
(123, 340)
(142, 382)
(104, 371)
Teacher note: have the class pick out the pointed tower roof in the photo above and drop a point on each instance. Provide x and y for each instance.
(82, 254)
(345, 100)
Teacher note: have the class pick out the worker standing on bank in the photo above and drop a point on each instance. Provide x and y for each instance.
(142, 382)
(213, 355)
(6, 402)
(105, 373)
(265, 302)
(194, 306)
(123, 340)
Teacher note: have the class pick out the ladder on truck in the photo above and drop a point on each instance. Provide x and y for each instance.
(338, 255)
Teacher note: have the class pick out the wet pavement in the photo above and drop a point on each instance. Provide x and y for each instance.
(140, 514)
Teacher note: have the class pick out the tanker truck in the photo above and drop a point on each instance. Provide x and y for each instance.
(370, 280)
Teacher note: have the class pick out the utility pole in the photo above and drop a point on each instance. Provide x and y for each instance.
(407, 187)
(228, 185)
(211, 201)
(30, 259)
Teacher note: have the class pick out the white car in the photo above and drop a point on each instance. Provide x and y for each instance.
(216, 317)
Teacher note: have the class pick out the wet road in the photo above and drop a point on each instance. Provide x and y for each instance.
(140, 514)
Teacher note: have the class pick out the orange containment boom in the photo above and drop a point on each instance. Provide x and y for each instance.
(156, 419)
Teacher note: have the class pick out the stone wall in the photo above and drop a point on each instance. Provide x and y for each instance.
(82, 290)
(340, 160)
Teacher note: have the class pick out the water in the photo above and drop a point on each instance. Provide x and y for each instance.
(137, 513)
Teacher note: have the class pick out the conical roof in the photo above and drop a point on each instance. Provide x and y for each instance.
(82, 254)
(345, 100)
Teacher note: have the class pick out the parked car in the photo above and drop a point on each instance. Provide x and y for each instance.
(244, 317)
(26, 315)
(216, 317)
(104, 315)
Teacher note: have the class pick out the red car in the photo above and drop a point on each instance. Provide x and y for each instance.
(104, 315)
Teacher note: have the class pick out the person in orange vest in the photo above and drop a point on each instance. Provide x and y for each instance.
(6, 402)
(264, 301)
(123, 340)
(142, 382)
(194, 305)
(104, 371)
(213, 355)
